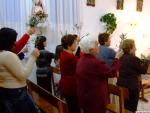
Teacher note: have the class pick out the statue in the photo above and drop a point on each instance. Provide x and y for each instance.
(37, 7)
(38, 16)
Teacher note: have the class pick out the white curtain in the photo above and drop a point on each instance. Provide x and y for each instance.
(63, 15)
(14, 14)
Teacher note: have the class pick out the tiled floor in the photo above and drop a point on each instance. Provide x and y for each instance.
(144, 105)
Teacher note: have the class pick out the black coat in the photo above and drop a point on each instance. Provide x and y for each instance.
(43, 62)
(130, 71)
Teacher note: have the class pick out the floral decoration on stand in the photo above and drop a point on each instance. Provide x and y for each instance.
(39, 16)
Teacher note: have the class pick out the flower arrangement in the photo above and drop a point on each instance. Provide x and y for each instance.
(36, 18)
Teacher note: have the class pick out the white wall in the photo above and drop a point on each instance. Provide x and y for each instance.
(140, 32)
(90, 24)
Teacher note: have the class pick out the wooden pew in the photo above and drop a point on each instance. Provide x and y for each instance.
(45, 100)
(122, 93)
(144, 89)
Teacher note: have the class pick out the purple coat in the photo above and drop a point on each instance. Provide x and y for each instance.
(92, 84)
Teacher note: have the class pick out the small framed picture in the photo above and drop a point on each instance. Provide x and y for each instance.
(120, 4)
(139, 5)
(90, 3)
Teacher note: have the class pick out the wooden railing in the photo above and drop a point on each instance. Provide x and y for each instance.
(45, 100)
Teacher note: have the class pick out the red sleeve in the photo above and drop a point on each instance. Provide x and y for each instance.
(81, 54)
(107, 71)
(21, 43)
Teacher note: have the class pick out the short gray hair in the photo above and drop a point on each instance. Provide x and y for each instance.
(87, 42)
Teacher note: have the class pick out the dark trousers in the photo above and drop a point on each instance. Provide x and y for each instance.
(84, 111)
(16, 100)
(72, 104)
(45, 82)
(92, 112)
(132, 102)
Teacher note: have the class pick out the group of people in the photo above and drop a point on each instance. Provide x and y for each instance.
(84, 73)
(84, 80)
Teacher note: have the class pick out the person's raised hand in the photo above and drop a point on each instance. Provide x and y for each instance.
(119, 54)
(35, 53)
(31, 30)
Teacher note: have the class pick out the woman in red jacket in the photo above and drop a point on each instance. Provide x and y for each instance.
(68, 63)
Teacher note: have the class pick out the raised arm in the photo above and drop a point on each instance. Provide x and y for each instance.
(107, 71)
(19, 45)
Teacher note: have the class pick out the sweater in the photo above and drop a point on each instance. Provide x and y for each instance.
(12, 73)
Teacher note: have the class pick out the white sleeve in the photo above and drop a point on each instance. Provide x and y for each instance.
(15, 66)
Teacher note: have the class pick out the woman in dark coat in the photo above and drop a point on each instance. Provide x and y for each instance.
(130, 72)
(44, 70)
(92, 77)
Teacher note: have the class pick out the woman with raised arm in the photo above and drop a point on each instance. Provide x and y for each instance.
(130, 72)
(92, 77)
(68, 63)
(19, 45)
(14, 97)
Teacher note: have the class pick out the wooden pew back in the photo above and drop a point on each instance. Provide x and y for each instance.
(45, 100)
(122, 93)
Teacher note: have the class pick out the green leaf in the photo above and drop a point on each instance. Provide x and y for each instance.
(110, 20)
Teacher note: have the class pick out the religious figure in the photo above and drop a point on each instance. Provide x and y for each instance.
(38, 15)
(37, 7)
(139, 5)
(120, 4)
(91, 3)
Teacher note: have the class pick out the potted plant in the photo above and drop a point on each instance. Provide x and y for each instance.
(110, 20)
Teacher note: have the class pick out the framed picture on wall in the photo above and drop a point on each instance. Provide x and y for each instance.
(120, 4)
(139, 5)
(90, 3)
